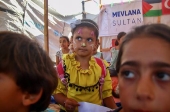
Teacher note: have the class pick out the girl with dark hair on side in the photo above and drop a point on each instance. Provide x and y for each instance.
(27, 75)
(112, 67)
(114, 53)
(64, 44)
(143, 68)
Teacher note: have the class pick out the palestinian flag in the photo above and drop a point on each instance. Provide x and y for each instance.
(152, 8)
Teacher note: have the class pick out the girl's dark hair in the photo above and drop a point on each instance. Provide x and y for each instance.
(65, 38)
(120, 35)
(28, 64)
(88, 23)
(114, 94)
(116, 43)
(160, 31)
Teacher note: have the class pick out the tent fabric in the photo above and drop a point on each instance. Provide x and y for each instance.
(27, 17)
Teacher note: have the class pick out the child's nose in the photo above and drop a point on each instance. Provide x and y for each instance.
(145, 89)
(84, 41)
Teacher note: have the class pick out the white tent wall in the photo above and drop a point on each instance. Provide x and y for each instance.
(32, 24)
(107, 41)
(56, 27)
(9, 18)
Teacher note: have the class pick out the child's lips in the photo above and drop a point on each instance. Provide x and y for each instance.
(82, 49)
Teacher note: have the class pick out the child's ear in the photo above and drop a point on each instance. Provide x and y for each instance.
(28, 99)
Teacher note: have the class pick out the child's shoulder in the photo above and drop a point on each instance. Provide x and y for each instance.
(68, 56)
(106, 63)
(103, 61)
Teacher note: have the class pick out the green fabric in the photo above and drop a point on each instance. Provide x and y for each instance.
(153, 13)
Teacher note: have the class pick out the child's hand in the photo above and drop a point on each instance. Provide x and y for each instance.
(70, 105)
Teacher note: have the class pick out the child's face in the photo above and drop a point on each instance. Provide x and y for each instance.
(95, 51)
(64, 43)
(144, 76)
(84, 41)
(10, 94)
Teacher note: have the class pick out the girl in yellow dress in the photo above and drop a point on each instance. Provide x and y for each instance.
(82, 72)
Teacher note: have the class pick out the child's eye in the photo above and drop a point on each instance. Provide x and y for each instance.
(163, 76)
(128, 74)
(79, 38)
(89, 40)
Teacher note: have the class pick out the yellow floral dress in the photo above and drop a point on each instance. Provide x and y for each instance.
(87, 79)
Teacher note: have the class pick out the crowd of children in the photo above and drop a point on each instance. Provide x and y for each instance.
(139, 70)
(133, 62)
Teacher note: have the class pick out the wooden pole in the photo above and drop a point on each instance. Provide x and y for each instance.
(100, 39)
(46, 39)
(83, 10)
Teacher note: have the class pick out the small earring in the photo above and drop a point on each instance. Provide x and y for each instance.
(83, 45)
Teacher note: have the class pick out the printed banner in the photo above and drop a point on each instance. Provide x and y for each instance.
(120, 17)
